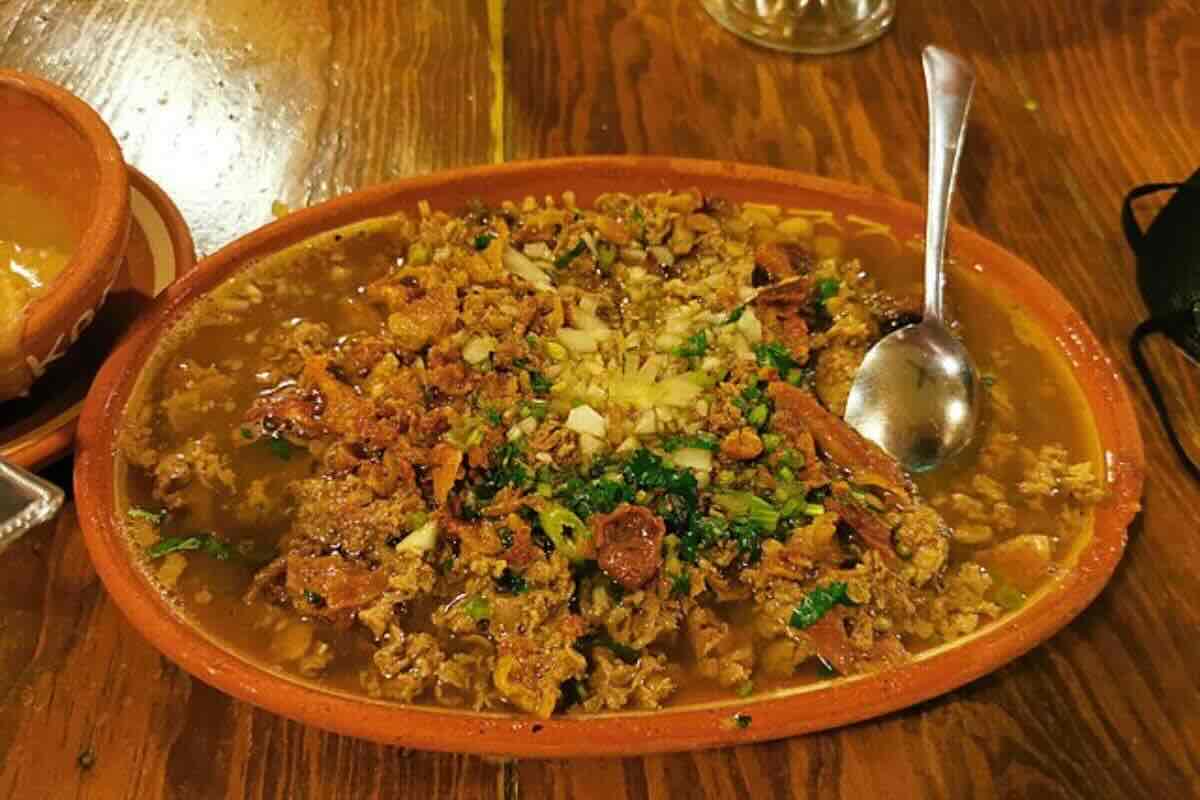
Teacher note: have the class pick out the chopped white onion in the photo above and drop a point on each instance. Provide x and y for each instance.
(750, 327)
(586, 420)
(577, 341)
(422, 540)
(478, 349)
(521, 266)
(693, 458)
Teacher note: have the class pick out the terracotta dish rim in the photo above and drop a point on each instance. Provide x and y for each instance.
(688, 727)
(97, 256)
(53, 439)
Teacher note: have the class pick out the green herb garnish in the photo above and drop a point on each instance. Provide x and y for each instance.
(699, 441)
(510, 582)
(693, 346)
(477, 607)
(492, 416)
(281, 448)
(818, 603)
(575, 252)
(539, 382)
(742, 720)
(745, 690)
(735, 315)
(681, 584)
(538, 409)
(155, 518)
(204, 543)
(828, 287)
(313, 599)
(483, 240)
(507, 470)
(774, 354)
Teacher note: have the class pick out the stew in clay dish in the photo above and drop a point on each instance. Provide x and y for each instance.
(561, 460)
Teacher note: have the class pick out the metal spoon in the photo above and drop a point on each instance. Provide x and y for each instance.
(915, 394)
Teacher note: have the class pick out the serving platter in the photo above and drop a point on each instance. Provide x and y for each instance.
(40, 428)
(765, 716)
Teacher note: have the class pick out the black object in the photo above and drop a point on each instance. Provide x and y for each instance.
(1168, 275)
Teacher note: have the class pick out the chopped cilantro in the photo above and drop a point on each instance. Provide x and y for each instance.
(749, 506)
(774, 354)
(693, 346)
(681, 584)
(637, 215)
(506, 537)
(483, 240)
(647, 471)
(699, 441)
(204, 543)
(596, 496)
(742, 720)
(570, 255)
(313, 599)
(510, 582)
(826, 288)
(988, 380)
(539, 382)
(281, 448)
(247, 433)
(818, 603)
(735, 315)
(507, 470)
(153, 517)
(492, 416)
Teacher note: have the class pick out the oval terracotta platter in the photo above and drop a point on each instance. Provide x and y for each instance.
(774, 715)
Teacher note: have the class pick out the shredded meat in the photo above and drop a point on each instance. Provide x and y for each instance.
(841, 442)
(629, 544)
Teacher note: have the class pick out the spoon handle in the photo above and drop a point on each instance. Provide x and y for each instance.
(949, 82)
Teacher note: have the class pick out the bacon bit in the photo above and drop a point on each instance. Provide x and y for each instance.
(287, 411)
(831, 642)
(793, 293)
(475, 539)
(444, 460)
(523, 550)
(742, 445)
(507, 501)
(339, 582)
(840, 442)
(781, 260)
(868, 526)
(612, 230)
(629, 544)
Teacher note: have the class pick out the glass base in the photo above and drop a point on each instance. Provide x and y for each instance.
(805, 26)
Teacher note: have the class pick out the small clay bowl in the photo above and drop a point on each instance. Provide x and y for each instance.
(775, 714)
(55, 145)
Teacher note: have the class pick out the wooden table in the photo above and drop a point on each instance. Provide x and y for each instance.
(235, 104)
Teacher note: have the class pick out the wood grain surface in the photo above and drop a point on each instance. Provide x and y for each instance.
(233, 105)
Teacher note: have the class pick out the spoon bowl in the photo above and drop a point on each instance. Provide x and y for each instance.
(915, 394)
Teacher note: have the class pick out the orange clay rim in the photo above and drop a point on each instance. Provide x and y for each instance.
(54, 439)
(97, 257)
(630, 733)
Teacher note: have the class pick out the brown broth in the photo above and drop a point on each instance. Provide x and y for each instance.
(1032, 394)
